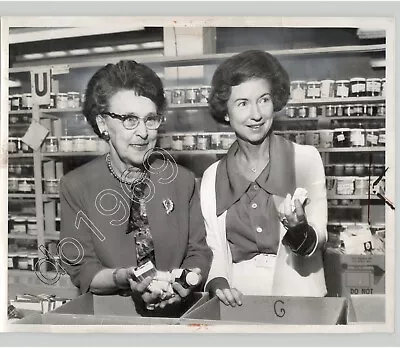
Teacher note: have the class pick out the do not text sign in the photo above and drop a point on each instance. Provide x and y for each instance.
(40, 86)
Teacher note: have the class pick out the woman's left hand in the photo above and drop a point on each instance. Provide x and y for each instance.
(290, 218)
(180, 292)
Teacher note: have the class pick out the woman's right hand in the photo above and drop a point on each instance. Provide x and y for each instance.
(230, 297)
(142, 288)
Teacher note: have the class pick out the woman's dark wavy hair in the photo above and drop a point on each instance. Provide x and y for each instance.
(126, 74)
(242, 67)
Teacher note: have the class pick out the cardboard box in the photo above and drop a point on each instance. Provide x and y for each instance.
(364, 309)
(270, 310)
(354, 274)
(90, 309)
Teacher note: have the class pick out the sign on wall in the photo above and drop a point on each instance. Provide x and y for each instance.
(40, 86)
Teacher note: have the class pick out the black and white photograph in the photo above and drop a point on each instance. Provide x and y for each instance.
(213, 174)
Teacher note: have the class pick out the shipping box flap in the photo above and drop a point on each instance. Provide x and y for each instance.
(366, 308)
(274, 310)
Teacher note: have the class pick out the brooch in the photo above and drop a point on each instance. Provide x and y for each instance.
(168, 205)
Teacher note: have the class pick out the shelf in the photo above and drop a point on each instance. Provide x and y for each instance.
(61, 111)
(345, 206)
(344, 118)
(18, 125)
(71, 154)
(52, 236)
(325, 118)
(20, 112)
(197, 152)
(20, 155)
(205, 59)
(361, 197)
(353, 149)
(187, 106)
(350, 100)
(21, 195)
(20, 236)
(48, 196)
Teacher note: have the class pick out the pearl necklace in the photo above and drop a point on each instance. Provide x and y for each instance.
(115, 175)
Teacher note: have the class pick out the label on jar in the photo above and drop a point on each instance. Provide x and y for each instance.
(339, 110)
(382, 138)
(312, 110)
(10, 262)
(298, 93)
(373, 86)
(26, 101)
(372, 139)
(191, 95)
(202, 143)
(177, 144)
(340, 137)
(23, 263)
(313, 92)
(66, 145)
(24, 187)
(358, 87)
(342, 91)
(357, 138)
(15, 102)
(189, 141)
(12, 146)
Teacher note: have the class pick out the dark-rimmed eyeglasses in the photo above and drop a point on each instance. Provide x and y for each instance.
(130, 122)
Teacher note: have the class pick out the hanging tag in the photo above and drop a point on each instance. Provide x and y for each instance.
(35, 135)
(40, 86)
(59, 69)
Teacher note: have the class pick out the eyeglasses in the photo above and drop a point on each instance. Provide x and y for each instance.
(130, 122)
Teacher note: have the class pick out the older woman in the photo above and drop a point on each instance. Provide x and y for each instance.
(263, 242)
(128, 208)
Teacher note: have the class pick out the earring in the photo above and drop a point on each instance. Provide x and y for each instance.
(105, 135)
(226, 118)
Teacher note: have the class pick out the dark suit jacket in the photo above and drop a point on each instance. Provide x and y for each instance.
(94, 219)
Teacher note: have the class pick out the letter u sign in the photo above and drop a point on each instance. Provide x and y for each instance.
(40, 86)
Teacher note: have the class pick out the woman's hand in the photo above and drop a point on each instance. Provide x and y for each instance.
(290, 218)
(230, 297)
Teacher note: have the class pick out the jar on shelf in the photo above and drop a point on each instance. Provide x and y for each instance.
(78, 143)
(383, 86)
(328, 170)
(342, 88)
(73, 100)
(51, 144)
(361, 186)
(300, 138)
(14, 119)
(13, 185)
(321, 111)
(33, 258)
(177, 142)
(19, 224)
(26, 101)
(339, 110)
(90, 143)
(302, 111)
(371, 110)
(102, 146)
(65, 144)
(372, 137)
(51, 186)
(16, 101)
(227, 140)
(348, 169)
(358, 110)
(348, 110)
(298, 90)
(191, 95)
(374, 86)
(205, 92)
(24, 147)
(382, 137)
(216, 141)
(12, 145)
(165, 141)
(31, 226)
(378, 169)
(381, 110)
(290, 111)
(168, 95)
(203, 141)
(12, 260)
(53, 101)
(25, 185)
(178, 96)
(189, 141)
(359, 169)
(312, 137)
(358, 87)
(312, 111)
(330, 111)
(341, 137)
(9, 103)
(345, 186)
(23, 260)
(357, 136)
(62, 101)
(331, 186)
(327, 88)
(339, 169)
(326, 138)
(18, 170)
(313, 89)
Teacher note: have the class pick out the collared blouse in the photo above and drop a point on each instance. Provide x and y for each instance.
(252, 223)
